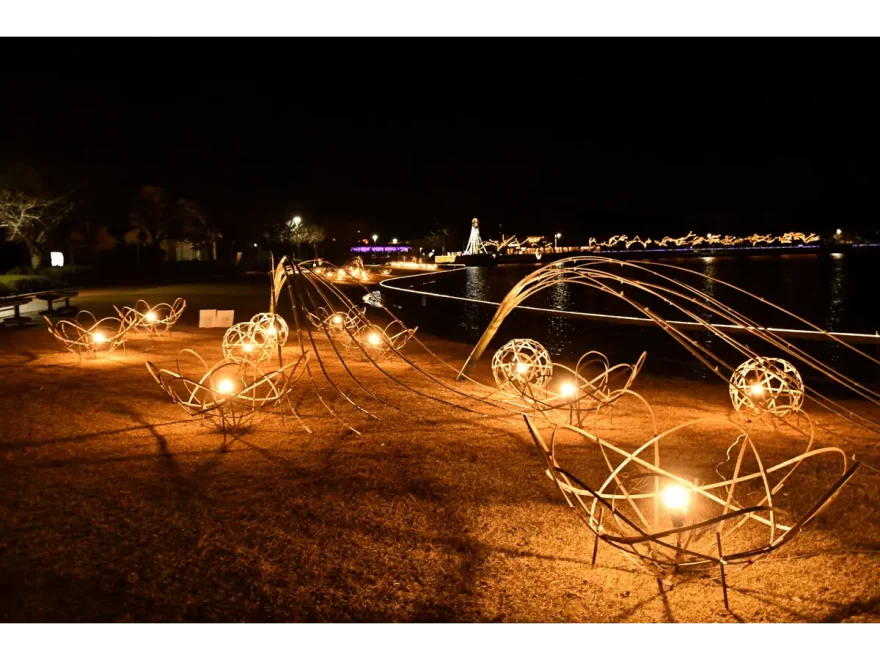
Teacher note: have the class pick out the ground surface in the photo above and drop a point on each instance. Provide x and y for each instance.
(115, 506)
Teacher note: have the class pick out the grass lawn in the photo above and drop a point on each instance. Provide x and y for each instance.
(115, 506)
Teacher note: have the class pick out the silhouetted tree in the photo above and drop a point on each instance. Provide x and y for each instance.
(31, 219)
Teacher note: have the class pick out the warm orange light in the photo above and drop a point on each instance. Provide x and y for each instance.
(757, 389)
(151, 317)
(247, 347)
(568, 390)
(374, 339)
(337, 319)
(271, 330)
(99, 337)
(225, 386)
(676, 498)
(521, 368)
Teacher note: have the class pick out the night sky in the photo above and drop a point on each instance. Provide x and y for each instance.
(587, 137)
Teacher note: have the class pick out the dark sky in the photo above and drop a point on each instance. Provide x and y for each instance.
(588, 137)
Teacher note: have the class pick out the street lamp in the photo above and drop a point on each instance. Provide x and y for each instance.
(556, 237)
(839, 232)
(297, 221)
(375, 238)
(394, 241)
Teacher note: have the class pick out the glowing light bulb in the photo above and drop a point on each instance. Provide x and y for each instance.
(757, 389)
(337, 319)
(676, 498)
(225, 386)
(374, 339)
(151, 317)
(247, 347)
(521, 368)
(99, 337)
(568, 390)
(271, 331)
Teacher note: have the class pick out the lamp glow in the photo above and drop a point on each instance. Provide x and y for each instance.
(521, 368)
(676, 498)
(374, 339)
(225, 386)
(568, 390)
(757, 389)
(247, 347)
(151, 317)
(99, 337)
(337, 319)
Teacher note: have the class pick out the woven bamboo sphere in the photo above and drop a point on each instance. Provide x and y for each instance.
(522, 365)
(769, 385)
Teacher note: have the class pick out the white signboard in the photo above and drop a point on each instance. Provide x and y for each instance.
(224, 318)
(207, 318)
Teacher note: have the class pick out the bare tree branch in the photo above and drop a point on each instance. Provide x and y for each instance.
(30, 220)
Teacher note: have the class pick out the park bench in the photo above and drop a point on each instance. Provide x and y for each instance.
(15, 304)
(51, 296)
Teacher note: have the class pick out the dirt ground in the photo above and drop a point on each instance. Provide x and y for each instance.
(116, 506)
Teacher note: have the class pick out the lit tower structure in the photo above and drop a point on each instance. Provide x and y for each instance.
(474, 245)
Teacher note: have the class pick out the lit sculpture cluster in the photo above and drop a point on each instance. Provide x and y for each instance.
(671, 522)
(668, 521)
(523, 367)
(770, 385)
(228, 394)
(254, 341)
(88, 335)
(156, 319)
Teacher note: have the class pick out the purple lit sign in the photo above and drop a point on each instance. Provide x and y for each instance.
(381, 248)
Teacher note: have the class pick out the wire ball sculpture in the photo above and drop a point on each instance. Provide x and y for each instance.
(255, 341)
(671, 526)
(156, 320)
(766, 385)
(88, 335)
(272, 327)
(228, 394)
(522, 366)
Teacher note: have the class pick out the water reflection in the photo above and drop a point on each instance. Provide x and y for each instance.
(837, 298)
(828, 290)
(560, 329)
(476, 288)
(708, 268)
